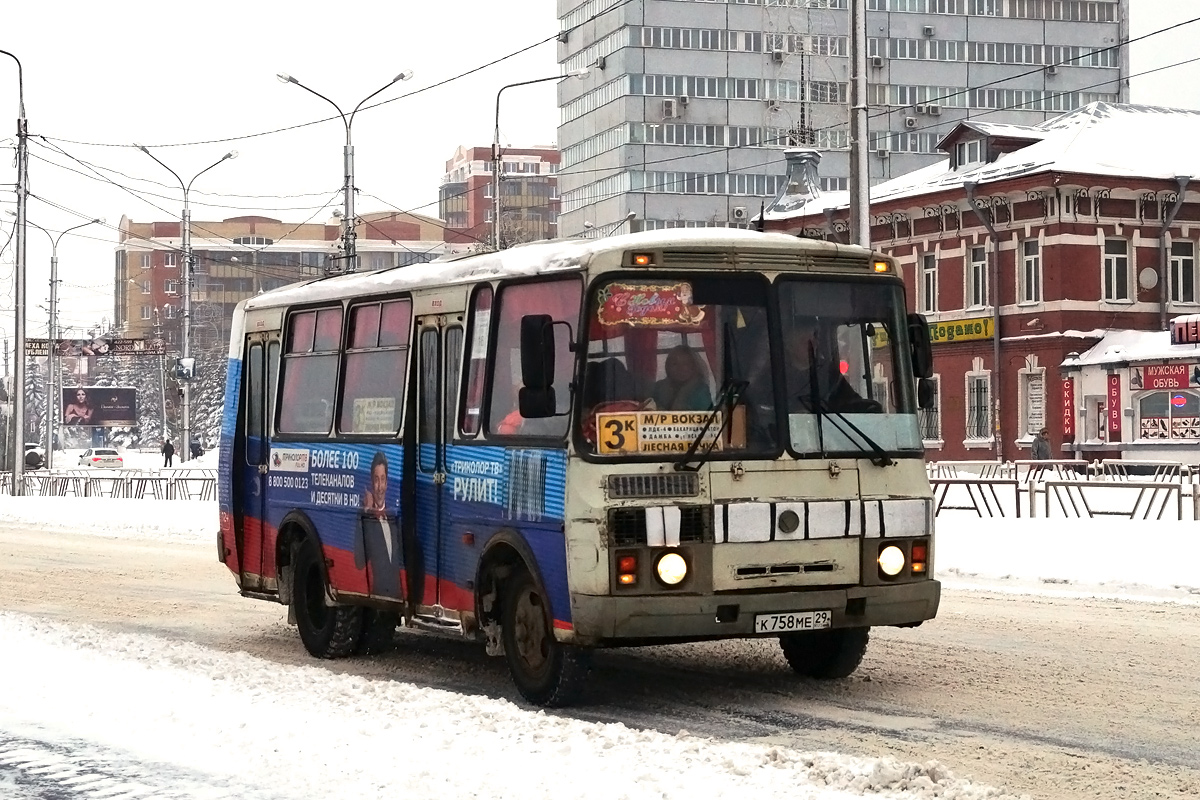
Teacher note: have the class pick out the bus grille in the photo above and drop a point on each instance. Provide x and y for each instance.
(674, 484)
(627, 526)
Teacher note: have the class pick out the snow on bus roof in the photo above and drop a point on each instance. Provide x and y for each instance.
(534, 258)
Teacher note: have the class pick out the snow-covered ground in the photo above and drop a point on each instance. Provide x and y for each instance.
(203, 723)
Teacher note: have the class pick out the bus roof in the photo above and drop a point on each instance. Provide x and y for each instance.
(534, 258)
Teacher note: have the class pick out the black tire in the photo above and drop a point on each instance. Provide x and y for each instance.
(379, 628)
(546, 672)
(327, 631)
(827, 655)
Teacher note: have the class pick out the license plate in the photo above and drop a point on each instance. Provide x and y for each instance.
(793, 621)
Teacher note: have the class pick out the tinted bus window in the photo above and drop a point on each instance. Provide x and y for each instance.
(560, 299)
(373, 383)
(310, 372)
(481, 327)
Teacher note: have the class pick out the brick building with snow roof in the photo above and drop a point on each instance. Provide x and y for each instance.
(1086, 225)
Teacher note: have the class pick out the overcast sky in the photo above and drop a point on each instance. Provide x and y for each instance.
(109, 74)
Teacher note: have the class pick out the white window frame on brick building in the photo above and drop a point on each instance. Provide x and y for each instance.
(930, 419)
(170, 259)
(977, 385)
(975, 293)
(146, 312)
(1029, 278)
(1031, 396)
(927, 302)
(1183, 272)
(1115, 274)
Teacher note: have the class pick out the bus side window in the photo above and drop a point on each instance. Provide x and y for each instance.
(454, 354)
(310, 371)
(561, 300)
(376, 356)
(481, 327)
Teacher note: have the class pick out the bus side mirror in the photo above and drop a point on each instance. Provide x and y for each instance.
(921, 346)
(535, 399)
(926, 394)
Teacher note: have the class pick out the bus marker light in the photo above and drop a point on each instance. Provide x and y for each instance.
(882, 266)
(627, 564)
(920, 556)
(671, 568)
(643, 260)
(891, 560)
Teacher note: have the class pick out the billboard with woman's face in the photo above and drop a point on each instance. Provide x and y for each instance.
(99, 405)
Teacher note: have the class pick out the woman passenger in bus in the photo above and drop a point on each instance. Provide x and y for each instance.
(684, 388)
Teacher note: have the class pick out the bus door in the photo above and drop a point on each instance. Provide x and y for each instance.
(439, 363)
(260, 370)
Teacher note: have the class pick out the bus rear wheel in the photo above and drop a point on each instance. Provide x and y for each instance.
(829, 654)
(546, 672)
(327, 631)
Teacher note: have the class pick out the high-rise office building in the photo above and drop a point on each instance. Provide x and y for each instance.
(689, 104)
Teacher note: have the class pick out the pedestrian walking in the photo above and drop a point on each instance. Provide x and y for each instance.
(168, 450)
(1041, 446)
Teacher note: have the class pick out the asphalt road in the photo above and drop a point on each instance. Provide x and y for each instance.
(1056, 698)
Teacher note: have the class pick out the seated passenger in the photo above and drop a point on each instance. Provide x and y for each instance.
(684, 388)
(832, 392)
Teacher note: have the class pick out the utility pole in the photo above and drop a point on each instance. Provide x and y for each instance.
(162, 380)
(860, 179)
(18, 400)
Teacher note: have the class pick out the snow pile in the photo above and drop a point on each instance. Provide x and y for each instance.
(163, 520)
(183, 707)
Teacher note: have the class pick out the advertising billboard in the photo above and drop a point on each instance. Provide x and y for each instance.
(107, 346)
(99, 405)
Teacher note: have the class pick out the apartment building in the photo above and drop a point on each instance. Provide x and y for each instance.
(528, 195)
(689, 103)
(240, 257)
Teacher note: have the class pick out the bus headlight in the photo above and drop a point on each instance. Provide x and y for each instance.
(891, 560)
(671, 568)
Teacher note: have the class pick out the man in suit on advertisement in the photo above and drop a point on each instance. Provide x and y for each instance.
(377, 537)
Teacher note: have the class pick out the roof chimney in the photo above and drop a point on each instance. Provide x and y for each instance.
(802, 185)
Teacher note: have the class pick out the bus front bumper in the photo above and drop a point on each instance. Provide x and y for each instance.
(610, 620)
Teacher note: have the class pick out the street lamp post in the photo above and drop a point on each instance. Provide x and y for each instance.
(18, 401)
(496, 243)
(349, 249)
(186, 236)
(52, 330)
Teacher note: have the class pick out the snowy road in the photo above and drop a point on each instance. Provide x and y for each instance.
(1053, 697)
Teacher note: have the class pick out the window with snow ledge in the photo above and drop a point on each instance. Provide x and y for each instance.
(930, 419)
(1116, 277)
(969, 153)
(979, 406)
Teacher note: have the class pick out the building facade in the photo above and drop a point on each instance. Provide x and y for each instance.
(528, 195)
(1077, 228)
(689, 103)
(240, 257)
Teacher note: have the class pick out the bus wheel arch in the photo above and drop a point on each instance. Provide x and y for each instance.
(294, 530)
(506, 555)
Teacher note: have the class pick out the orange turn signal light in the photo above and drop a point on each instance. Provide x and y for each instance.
(920, 556)
(627, 579)
(882, 266)
(643, 260)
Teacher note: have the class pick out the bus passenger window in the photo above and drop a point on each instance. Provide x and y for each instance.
(481, 326)
(560, 299)
(310, 372)
(373, 383)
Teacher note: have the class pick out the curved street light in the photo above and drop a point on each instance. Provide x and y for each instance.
(52, 375)
(575, 73)
(349, 249)
(187, 287)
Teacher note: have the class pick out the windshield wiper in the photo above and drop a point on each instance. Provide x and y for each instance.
(730, 392)
(881, 459)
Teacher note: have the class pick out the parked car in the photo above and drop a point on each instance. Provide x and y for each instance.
(35, 456)
(101, 457)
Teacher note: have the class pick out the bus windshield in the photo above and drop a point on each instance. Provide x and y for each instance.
(662, 352)
(846, 366)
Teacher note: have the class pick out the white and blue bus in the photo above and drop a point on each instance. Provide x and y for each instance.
(644, 439)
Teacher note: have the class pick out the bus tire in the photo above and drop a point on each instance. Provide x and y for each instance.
(828, 654)
(546, 672)
(378, 631)
(327, 631)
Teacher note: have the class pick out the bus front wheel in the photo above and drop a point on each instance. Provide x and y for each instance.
(546, 672)
(327, 631)
(828, 654)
